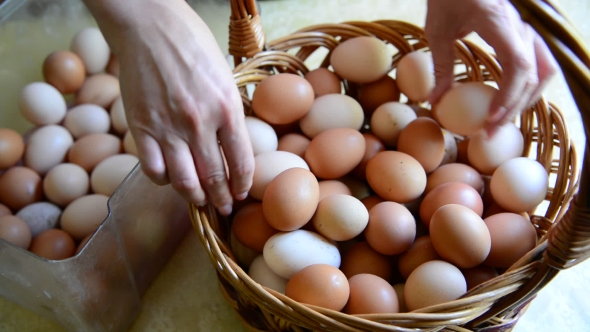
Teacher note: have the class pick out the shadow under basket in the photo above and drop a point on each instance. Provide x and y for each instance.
(562, 221)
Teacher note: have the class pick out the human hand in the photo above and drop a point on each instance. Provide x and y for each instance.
(180, 99)
(526, 61)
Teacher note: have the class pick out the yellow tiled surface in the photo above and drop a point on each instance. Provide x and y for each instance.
(185, 296)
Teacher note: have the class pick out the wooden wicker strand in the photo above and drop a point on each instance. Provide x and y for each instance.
(246, 37)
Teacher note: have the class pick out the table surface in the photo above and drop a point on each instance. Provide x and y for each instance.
(185, 296)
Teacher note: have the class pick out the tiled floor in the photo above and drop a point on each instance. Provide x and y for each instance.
(185, 295)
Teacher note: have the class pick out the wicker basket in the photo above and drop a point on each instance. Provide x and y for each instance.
(563, 228)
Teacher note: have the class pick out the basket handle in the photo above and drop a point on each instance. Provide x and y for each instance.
(569, 241)
(246, 37)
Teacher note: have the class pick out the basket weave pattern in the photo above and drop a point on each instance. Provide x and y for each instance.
(563, 227)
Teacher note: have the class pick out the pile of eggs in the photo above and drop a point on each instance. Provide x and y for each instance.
(373, 202)
(55, 180)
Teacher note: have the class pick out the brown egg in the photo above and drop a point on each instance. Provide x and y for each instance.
(375, 94)
(53, 244)
(421, 251)
(373, 145)
(389, 120)
(320, 285)
(340, 217)
(460, 236)
(391, 229)
(12, 147)
(423, 139)
(455, 172)
(4, 210)
(421, 111)
(65, 71)
(323, 82)
(361, 59)
(450, 193)
(291, 199)
(294, 143)
(270, 164)
(478, 275)
(99, 89)
(14, 230)
(462, 147)
(396, 176)
(415, 75)
(84, 215)
(512, 237)
(20, 186)
(332, 111)
(90, 150)
(64, 183)
(361, 258)
(370, 294)
(371, 201)
(250, 227)
(83, 243)
(335, 152)
(332, 187)
(432, 283)
(282, 98)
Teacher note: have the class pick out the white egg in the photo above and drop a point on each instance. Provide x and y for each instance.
(87, 119)
(90, 45)
(486, 154)
(262, 136)
(46, 147)
(262, 274)
(42, 104)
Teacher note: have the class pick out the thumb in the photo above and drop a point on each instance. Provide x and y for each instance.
(443, 57)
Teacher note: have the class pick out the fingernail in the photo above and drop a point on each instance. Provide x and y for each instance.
(242, 196)
(203, 203)
(225, 210)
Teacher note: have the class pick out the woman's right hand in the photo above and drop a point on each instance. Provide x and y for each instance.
(180, 99)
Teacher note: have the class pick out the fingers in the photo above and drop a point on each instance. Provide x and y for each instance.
(240, 158)
(151, 158)
(546, 68)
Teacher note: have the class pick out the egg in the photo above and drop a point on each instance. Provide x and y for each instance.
(396, 176)
(486, 154)
(90, 150)
(370, 294)
(118, 118)
(375, 94)
(42, 104)
(47, 147)
(20, 186)
(460, 236)
(332, 187)
(262, 135)
(358, 188)
(451, 149)
(519, 184)
(391, 229)
(12, 147)
(455, 172)
(129, 145)
(335, 152)
(323, 82)
(373, 145)
(360, 258)
(421, 111)
(415, 75)
(294, 143)
(65, 71)
(361, 59)
(450, 193)
(424, 140)
(64, 183)
(4, 210)
(371, 201)
(282, 98)
(243, 255)
(512, 237)
(432, 283)
(15, 231)
(83, 244)
(478, 275)
(89, 44)
(462, 147)
(87, 119)
(332, 111)
(83, 216)
(53, 244)
(110, 173)
(464, 109)
(320, 285)
(262, 274)
(251, 228)
(389, 120)
(268, 165)
(340, 217)
(99, 89)
(420, 252)
(287, 253)
(291, 199)
(40, 216)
